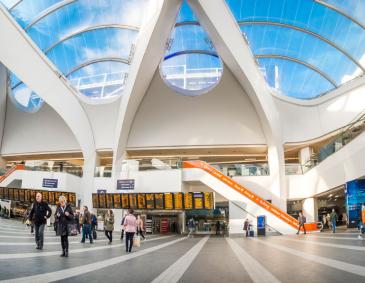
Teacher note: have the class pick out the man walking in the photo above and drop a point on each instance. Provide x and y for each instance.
(333, 219)
(86, 225)
(302, 221)
(39, 214)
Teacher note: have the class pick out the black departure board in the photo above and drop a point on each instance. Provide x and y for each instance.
(133, 201)
(109, 200)
(159, 201)
(95, 198)
(102, 200)
(141, 201)
(116, 200)
(150, 201)
(208, 200)
(169, 202)
(188, 200)
(198, 201)
(125, 201)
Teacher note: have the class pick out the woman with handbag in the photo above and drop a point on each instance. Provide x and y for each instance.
(64, 216)
(109, 225)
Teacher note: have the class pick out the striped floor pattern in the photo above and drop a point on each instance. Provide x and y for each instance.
(320, 257)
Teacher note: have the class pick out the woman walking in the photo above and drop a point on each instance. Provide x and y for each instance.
(64, 216)
(109, 225)
(130, 225)
(140, 226)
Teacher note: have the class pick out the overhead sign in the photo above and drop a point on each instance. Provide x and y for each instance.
(126, 184)
(50, 183)
(101, 191)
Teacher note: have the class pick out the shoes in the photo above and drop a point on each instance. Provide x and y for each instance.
(109, 243)
(82, 242)
(91, 242)
(63, 253)
(37, 247)
(66, 253)
(297, 233)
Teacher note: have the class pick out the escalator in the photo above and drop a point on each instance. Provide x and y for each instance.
(279, 220)
(9, 172)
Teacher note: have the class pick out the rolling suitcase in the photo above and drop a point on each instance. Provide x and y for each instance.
(251, 233)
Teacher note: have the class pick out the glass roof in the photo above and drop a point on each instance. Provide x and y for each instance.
(191, 65)
(90, 41)
(304, 48)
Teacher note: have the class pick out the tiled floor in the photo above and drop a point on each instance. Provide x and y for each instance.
(323, 257)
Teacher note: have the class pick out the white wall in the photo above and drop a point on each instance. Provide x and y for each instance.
(3, 86)
(301, 123)
(224, 116)
(43, 131)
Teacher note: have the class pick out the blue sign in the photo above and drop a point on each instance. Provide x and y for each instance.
(50, 183)
(261, 221)
(127, 184)
(101, 191)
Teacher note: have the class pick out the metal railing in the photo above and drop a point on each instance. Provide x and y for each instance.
(64, 168)
(243, 169)
(349, 133)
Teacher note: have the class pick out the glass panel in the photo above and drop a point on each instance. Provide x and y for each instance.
(191, 65)
(272, 40)
(353, 8)
(101, 80)
(25, 100)
(293, 79)
(8, 3)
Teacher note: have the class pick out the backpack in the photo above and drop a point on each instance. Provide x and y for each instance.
(94, 220)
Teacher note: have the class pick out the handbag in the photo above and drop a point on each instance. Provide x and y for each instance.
(137, 241)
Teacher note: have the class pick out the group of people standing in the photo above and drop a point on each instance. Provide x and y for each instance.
(65, 223)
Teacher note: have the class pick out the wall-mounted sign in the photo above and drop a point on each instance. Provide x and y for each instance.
(126, 184)
(101, 191)
(50, 183)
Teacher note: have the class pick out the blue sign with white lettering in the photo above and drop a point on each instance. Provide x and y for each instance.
(101, 191)
(50, 183)
(127, 184)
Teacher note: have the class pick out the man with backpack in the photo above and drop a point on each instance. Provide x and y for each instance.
(86, 226)
(302, 221)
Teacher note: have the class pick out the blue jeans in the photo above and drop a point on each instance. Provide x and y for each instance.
(334, 226)
(86, 230)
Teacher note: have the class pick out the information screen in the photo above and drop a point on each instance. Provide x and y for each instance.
(178, 200)
(188, 200)
(16, 194)
(117, 202)
(21, 195)
(45, 196)
(32, 195)
(27, 196)
(72, 198)
(2, 193)
(57, 197)
(95, 200)
(198, 201)
(141, 201)
(150, 201)
(133, 201)
(109, 200)
(102, 201)
(208, 201)
(11, 194)
(159, 201)
(169, 203)
(125, 201)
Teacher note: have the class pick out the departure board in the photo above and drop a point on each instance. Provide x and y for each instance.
(26, 196)
(133, 201)
(11, 193)
(169, 202)
(125, 201)
(116, 201)
(159, 201)
(16, 194)
(109, 201)
(141, 201)
(1, 193)
(178, 201)
(95, 198)
(45, 196)
(72, 198)
(208, 200)
(102, 201)
(188, 200)
(57, 197)
(198, 201)
(21, 195)
(150, 201)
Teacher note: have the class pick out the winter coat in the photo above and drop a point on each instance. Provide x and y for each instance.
(130, 223)
(40, 212)
(63, 221)
(86, 218)
(109, 223)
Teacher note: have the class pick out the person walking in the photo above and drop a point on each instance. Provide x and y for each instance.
(109, 225)
(140, 226)
(191, 224)
(246, 226)
(130, 226)
(77, 221)
(39, 214)
(86, 225)
(122, 228)
(333, 219)
(302, 221)
(217, 228)
(65, 217)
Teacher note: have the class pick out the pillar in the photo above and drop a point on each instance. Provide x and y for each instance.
(310, 209)
(87, 180)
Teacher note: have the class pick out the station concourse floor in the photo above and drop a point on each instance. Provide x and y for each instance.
(321, 257)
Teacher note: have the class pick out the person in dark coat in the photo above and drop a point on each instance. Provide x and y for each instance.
(64, 216)
(39, 214)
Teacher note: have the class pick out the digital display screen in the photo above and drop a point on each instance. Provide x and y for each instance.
(45, 196)
(1, 192)
(21, 195)
(57, 197)
(11, 194)
(150, 201)
(117, 202)
(133, 201)
(178, 200)
(72, 198)
(109, 200)
(159, 201)
(26, 196)
(198, 201)
(16, 194)
(141, 201)
(102, 201)
(208, 201)
(125, 201)
(169, 203)
(95, 198)
(188, 200)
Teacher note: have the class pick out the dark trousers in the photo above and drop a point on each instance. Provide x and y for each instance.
(109, 235)
(129, 241)
(122, 234)
(140, 232)
(86, 230)
(301, 225)
(39, 234)
(64, 243)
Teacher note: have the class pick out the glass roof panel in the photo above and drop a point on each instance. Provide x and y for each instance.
(312, 32)
(191, 66)
(25, 99)
(353, 8)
